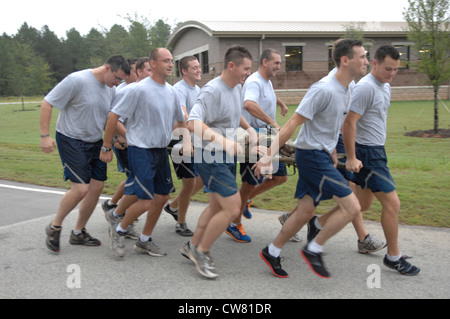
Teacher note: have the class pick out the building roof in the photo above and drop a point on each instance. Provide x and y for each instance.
(288, 28)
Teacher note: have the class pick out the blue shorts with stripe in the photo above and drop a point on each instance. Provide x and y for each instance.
(219, 177)
(122, 160)
(375, 174)
(248, 174)
(318, 177)
(149, 173)
(81, 160)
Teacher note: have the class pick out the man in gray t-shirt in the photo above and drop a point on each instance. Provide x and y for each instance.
(364, 134)
(322, 112)
(84, 100)
(214, 119)
(188, 91)
(152, 109)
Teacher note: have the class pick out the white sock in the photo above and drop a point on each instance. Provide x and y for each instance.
(274, 251)
(143, 238)
(315, 247)
(316, 222)
(120, 229)
(110, 203)
(393, 258)
(77, 232)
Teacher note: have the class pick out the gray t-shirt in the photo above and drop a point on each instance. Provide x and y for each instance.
(84, 104)
(187, 94)
(218, 106)
(260, 91)
(371, 100)
(325, 105)
(151, 110)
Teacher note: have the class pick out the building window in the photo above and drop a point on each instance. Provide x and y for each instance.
(205, 62)
(404, 55)
(294, 58)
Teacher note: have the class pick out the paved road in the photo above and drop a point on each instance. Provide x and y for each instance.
(28, 270)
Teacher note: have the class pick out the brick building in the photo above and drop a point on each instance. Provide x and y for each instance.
(305, 48)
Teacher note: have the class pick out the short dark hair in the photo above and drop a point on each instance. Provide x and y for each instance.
(140, 63)
(267, 54)
(118, 62)
(386, 50)
(184, 62)
(344, 47)
(236, 54)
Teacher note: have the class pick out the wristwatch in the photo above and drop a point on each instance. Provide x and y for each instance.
(105, 150)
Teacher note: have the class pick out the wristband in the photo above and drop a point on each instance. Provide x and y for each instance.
(45, 135)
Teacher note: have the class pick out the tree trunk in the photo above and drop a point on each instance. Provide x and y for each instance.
(436, 110)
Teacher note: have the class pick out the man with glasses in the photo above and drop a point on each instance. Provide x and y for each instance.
(152, 108)
(84, 100)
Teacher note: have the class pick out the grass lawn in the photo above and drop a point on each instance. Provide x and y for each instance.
(420, 166)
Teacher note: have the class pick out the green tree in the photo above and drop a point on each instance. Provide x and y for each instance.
(159, 34)
(31, 74)
(95, 48)
(428, 23)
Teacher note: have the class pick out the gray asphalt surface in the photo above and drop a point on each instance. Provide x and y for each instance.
(28, 270)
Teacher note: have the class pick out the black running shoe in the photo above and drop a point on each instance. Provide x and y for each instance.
(84, 239)
(315, 262)
(402, 266)
(312, 229)
(172, 212)
(52, 240)
(273, 263)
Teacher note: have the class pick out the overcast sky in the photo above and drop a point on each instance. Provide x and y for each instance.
(83, 15)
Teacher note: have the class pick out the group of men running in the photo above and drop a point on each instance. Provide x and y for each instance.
(128, 108)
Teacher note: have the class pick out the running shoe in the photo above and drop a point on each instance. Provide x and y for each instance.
(246, 212)
(84, 238)
(238, 233)
(182, 230)
(273, 263)
(107, 208)
(312, 229)
(282, 218)
(53, 235)
(315, 263)
(117, 242)
(187, 249)
(172, 212)
(370, 245)
(149, 247)
(204, 263)
(402, 266)
(115, 219)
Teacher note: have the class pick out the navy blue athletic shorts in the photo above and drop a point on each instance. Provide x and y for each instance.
(318, 177)
(375, 174)
(149, 173)
(248, 174)
(340, 149)
(81, 160)
(219, 177)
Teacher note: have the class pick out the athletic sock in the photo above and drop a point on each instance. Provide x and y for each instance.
(274, 251)
(315, 247)
(317, 224)
(143, 238)
(393, 258)
(77, 232)
(120, 229)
